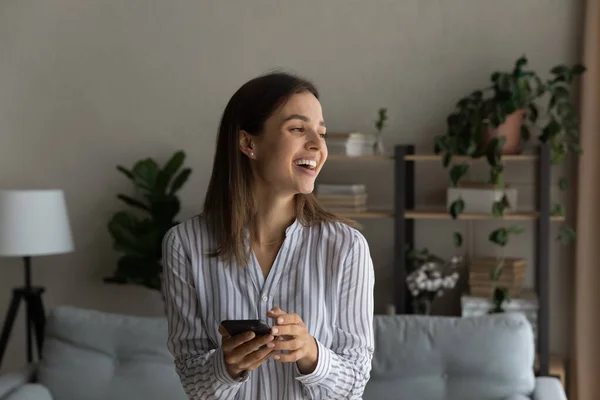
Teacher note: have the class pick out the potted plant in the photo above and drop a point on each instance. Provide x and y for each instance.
(497, 120)
(379, 125)
(428, 277)
(138, 235)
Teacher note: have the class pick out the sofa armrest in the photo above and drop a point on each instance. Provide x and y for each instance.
(548, 388)
(12, 381)
(30, 391)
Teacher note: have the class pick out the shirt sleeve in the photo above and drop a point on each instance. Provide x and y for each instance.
(199, 364)
(344, 368)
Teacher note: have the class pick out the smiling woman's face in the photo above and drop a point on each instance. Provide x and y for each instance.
(290, 152)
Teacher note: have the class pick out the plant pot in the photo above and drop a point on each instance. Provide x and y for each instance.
(511, 130)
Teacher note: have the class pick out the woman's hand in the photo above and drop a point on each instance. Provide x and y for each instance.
(294, 337)
(243, 353)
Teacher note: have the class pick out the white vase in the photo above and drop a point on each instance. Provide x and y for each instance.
(379, 148)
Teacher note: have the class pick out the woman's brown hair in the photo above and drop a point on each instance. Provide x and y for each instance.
(229, 205)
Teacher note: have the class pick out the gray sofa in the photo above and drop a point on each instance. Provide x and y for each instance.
(92, 355)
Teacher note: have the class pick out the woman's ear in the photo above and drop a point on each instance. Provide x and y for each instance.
(247, 144)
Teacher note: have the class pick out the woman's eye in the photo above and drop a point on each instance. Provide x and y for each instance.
(298, 129)
(322, 135)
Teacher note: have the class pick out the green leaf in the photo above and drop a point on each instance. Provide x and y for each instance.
(457, 239)
(559, 70)
(500, 296)
(575, 148)
(124, 227)
(499, 237)
(457, 172)
(521, 62)
(525, 134)
(578, 69)
(561, 92)
(499, 143)
(169, 171)
(504, 82)
(126, 172)
(563, 183)
(552, 102)
(180, 180)
(145, 173)
(565, 109)
(457, 207)
(497, 176)
(550, 130)
(558, 210)
(515, 229)
(133, 202)
(498, 207)
(446, 160)
(533, 112)
(566, 234)
(496, 272)
(380, 123)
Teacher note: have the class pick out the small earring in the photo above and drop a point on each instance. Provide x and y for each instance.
(251, 154)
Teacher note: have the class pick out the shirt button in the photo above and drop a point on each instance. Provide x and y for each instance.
(265, 299)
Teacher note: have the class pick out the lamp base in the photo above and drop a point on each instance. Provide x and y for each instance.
(36, 319)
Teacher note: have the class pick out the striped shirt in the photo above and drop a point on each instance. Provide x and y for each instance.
(323, 273)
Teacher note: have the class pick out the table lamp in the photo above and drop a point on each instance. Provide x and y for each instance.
(32, 223)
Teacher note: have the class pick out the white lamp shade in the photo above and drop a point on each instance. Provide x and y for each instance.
(34, 223)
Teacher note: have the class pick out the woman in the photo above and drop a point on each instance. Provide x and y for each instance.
(263, 248)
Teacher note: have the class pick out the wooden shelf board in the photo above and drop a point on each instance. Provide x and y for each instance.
(428, 157)
(367, 215)
(435, 157)
(359, 158)
(443, 214)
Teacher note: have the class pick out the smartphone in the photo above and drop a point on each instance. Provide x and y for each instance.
(237, 326)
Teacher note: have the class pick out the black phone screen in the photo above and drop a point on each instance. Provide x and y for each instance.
(237, 326)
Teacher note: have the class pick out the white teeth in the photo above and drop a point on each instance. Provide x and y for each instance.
(310, 163)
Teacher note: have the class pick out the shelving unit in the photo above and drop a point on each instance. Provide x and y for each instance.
(405, 214)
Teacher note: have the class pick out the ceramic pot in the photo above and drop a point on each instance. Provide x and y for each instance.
(511, 130)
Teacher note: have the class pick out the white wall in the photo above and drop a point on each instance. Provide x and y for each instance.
(86, 85)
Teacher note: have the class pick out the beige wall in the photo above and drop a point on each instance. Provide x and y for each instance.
(86, 85)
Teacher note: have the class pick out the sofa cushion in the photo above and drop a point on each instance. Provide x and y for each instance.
(30, 391)
(452, 358)
(93, 355)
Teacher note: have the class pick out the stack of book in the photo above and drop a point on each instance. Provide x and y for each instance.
(342, 198)
(480, 276)
(353, 144)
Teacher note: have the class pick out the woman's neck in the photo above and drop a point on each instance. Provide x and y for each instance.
(273, 216)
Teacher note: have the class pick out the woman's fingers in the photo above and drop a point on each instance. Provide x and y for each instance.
(223, 332)
(255, 359)
(292, 356)
(289, 319)
(291, 330)
(231, 343)
(238, 353)
(292, 344)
